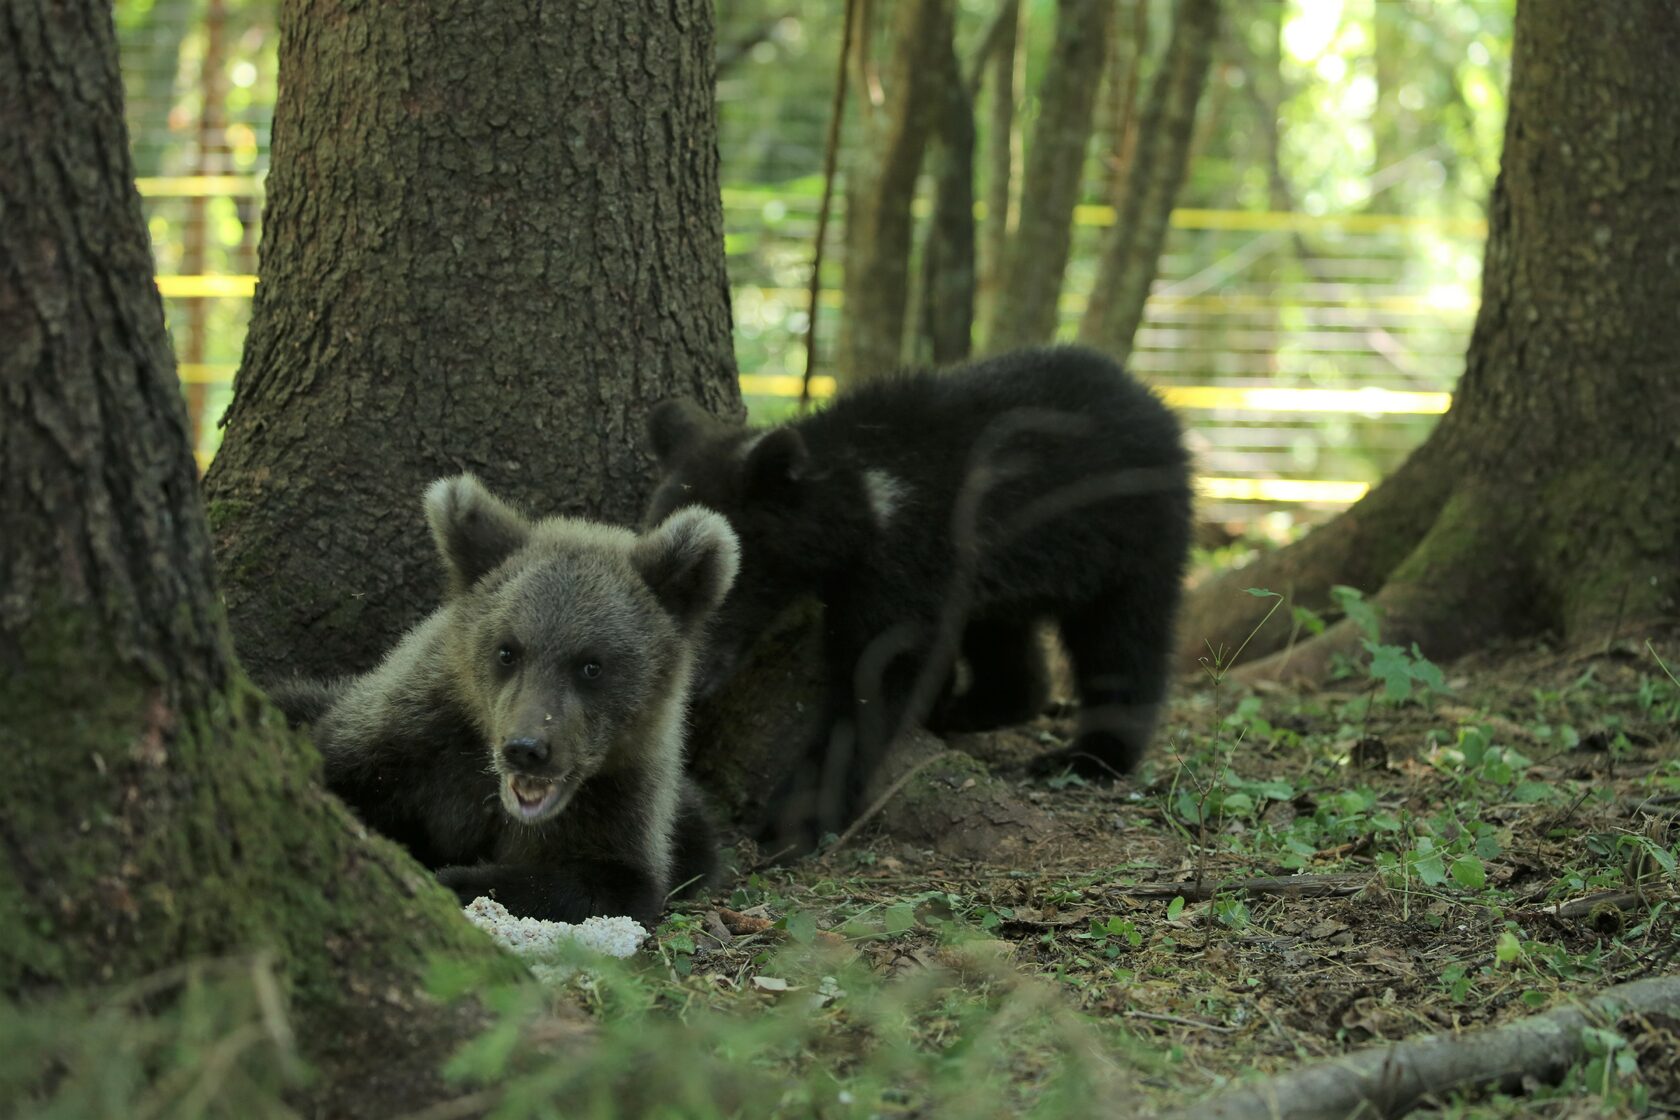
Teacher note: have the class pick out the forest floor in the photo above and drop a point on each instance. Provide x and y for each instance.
(1294, 875)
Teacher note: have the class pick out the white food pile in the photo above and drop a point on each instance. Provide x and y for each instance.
(537, 942)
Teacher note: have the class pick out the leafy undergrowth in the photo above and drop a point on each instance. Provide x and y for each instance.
(1292, 876)
(1456, 849)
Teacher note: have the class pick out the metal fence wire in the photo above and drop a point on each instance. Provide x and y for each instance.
(1308, 352)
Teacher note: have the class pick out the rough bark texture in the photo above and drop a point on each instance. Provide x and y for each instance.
(1131, 250)
(493, 240)
(1024, 312)
(1548, 498)
(880, 187)
(948, 277)
(152, 807)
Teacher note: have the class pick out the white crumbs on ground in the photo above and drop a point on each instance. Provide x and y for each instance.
(538, 941)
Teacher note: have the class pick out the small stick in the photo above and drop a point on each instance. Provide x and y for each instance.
(1159, 1018)
(881, 803)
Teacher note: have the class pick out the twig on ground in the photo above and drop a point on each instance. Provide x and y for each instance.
(1157, 1017)
(1289, 886)
(880, 803)
(1387, 1081)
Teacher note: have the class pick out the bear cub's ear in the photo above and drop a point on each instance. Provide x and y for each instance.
(676, 424)
(689, 561)
(474, 529)
(776, 462)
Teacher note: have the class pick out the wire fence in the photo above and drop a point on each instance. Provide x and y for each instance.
(1308, 352)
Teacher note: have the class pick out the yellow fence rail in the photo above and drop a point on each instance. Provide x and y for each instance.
(1325, 342)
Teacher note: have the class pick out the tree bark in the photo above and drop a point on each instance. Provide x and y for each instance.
(880, 188)
(153, 808)
(1131, 250)
(948, 277)
(1546, 499)
(1024, 313)
(1002, 156)
(493, 240)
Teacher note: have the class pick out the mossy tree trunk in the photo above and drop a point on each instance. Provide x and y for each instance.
(493, 240)
(1131, 250)
(152, 806)
(1548, 498)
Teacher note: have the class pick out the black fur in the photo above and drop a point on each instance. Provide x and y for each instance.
(1058, 483)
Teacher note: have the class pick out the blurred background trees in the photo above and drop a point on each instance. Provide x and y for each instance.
(1313, 295)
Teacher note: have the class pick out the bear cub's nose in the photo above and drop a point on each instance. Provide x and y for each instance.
(524, 754)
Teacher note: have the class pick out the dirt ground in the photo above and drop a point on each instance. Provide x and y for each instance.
(1460, 858)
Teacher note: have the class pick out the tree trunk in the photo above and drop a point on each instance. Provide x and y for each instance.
(880, 188)
(1128, 48)
(1031, 284)
(493, 240)
(1548, 498)
(153, 808)
(948, 279)
(1002, 156)
(1131, 250)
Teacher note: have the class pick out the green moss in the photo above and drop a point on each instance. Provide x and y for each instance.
(144, 836)
(221, 513)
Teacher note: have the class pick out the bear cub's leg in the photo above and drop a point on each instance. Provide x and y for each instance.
(1119, 648)
(1007, 679)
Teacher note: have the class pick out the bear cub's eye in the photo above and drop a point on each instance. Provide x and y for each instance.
(589, 670)
(507, 655)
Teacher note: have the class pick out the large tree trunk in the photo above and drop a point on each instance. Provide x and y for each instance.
(1131, 250)
(492, 242)
(880, 186)
(152, 807)
(1548, 498)
(1024, 312)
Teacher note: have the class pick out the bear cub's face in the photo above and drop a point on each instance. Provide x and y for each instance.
(570, 639)
(799, 521)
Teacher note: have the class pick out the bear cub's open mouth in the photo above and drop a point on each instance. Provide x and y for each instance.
(533, 799)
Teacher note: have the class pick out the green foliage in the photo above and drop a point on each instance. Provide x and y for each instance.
(825, 1036)
(203, 1041)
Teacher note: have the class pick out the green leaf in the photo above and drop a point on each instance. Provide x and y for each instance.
(801, 926)
(1390, 665)
(901, 918)
(1262, 593)
(1175, 908)
(1427, 864)
(1473, 745)
(1362, 614)
(1507, 949)
(1308, 620)
(1468, 872)
(1425, 671)
(1238, 804)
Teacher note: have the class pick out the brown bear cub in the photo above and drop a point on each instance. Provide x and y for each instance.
(944, 515)
(526, 739)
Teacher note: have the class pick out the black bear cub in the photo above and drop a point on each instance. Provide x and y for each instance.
(526, 739)
(1040, 484)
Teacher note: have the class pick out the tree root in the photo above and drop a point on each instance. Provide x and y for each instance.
(1392, 1080)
